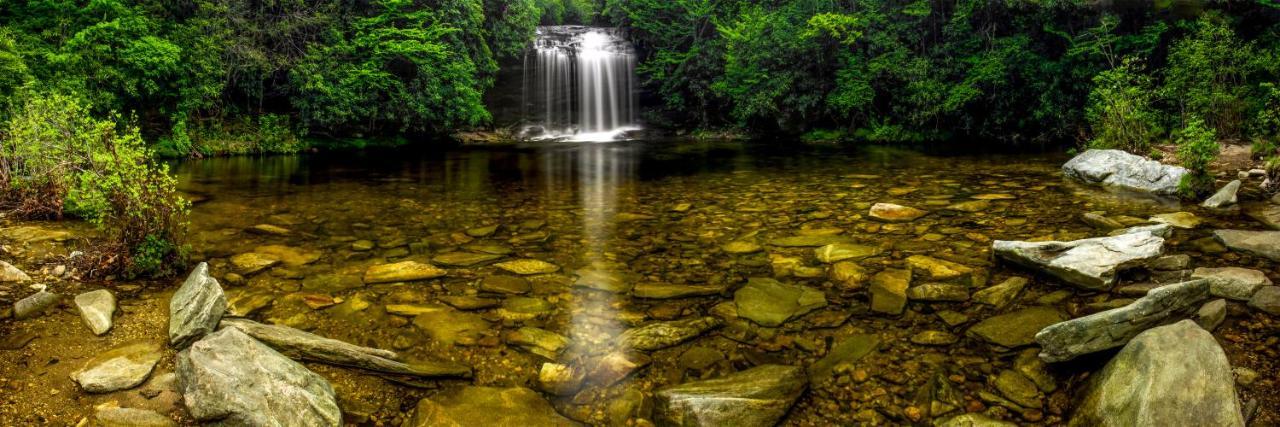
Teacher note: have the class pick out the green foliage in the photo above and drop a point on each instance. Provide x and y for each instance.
(1197, 149)
(1120, 111)
(58, 159)
(1207, 73)
(400, 69)
(763, 74)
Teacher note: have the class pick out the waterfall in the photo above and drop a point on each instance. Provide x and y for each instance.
(579, 84)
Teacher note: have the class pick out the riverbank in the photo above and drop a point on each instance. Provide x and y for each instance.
(553, 266)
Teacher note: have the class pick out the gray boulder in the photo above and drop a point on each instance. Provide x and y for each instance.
(1267, 300)
(1087, 263)
(34, 304)
(307, 346)
(660, 335)
(1113, 328)
(756, 397)
(1118, 169)
(195, 308)
(120, 368)
(1232, 282)
(1225, 197)
(772, 303)
(1174, 375)
(232, 379)
(487, 406)
(96, 308)
(1265, 244)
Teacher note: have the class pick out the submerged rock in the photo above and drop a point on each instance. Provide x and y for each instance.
(1017, 328)
(1265, 244)
(1267, 300)
(769, 302)
(738, 247)
(660, 335)
(889, 291)
(120, 368)
(96, 308)
(1002, 294)
(288, 255)
(1087, 263)
(1268, 213)
(756, 397)
(528, 266)
(808, 240)
(487, 406)
(1225, 197)
(464, 259)
(114, 416)
(404, 271)
(34, 304)
(667, 290)
(195, 308)
(504, 284)
(253, 262)
(836, 252)
(1183, 220)
(851, 349)
(538, 341)
(936, 269)
(233, 379)
(1118, 169)
(307, 346)
(448, 326)
(895, 213)
(1232, 282)
(9, 273)
(1113, 328)
(1173, 375)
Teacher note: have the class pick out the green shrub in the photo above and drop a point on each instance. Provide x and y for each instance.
(59, 160)
(1197, 149)
(1120, 112)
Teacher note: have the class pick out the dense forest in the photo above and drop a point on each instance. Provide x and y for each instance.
(138, 78)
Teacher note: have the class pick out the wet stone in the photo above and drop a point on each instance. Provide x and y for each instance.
(936, 269)
(288, 255)
(96, 309)
(120, 368)
(848, 275)
(463, 259)
(848, 350)
(253, 262)
(895, 213)
(889, 291)
(653, 290)
(467, 302)
(1171, 262)
(1002, 294)
(659, 335)
(447, 326)
(931, 337)
(34, 304)
(487, 406)
(757, 397)
(836, 252)
(1266, 300)
(538, 341)
(936, 292)
(738, 247)
(1232, 282)
(1211, 314)
(504, 284)
(196, 308)
(9, 273)
(1265, 244)
(601, 280)
(1113, 328)
(803, 241)
(769, 302)
(1017, 388)
(1183, 220)
(405, 271)
(1016, 329)
(528, 266)
(104, 416)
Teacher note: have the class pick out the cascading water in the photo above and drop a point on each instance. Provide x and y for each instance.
(579, 84)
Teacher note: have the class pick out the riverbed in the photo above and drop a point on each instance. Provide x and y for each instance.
(584, 242)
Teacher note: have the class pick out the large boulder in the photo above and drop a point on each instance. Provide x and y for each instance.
(1118, 169)
(487, 406)
(1174, 375)
(1113, 328)
(772, 303)
(1088, 263)
(1265, 244)
(756, 397)
(230, 378)
(1232, 282)
(195, 308)
(307, 346)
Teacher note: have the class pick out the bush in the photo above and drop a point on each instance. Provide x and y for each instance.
(1120, 112)
(58, 160)
(1197, 149)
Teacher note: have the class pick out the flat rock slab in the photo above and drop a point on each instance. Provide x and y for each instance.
(1088, 263)
(770, 303)
(837, 252)
(487, 406)
(849, 350)
(253, 262)
(307, 346)
(1265, 212)
(890, 212)
(1232, 282)
(1174, 375)
(660, 335)
(1113, 328)
(1018, 328)
(1118, 169)
(195, 308)
(289, 255)
(1265, 244)
(756, 397)
(233, 379)
(96, 309)
(667, 291)
(404, 271)
(120, 368)
(528, 266)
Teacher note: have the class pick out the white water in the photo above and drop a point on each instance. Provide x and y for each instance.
(579, 85)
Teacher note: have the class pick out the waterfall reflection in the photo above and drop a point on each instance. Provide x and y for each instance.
(603, 175)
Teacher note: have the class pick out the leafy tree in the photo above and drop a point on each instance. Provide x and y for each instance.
(1120, 111)
(1207, 73)
(1197, 149)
